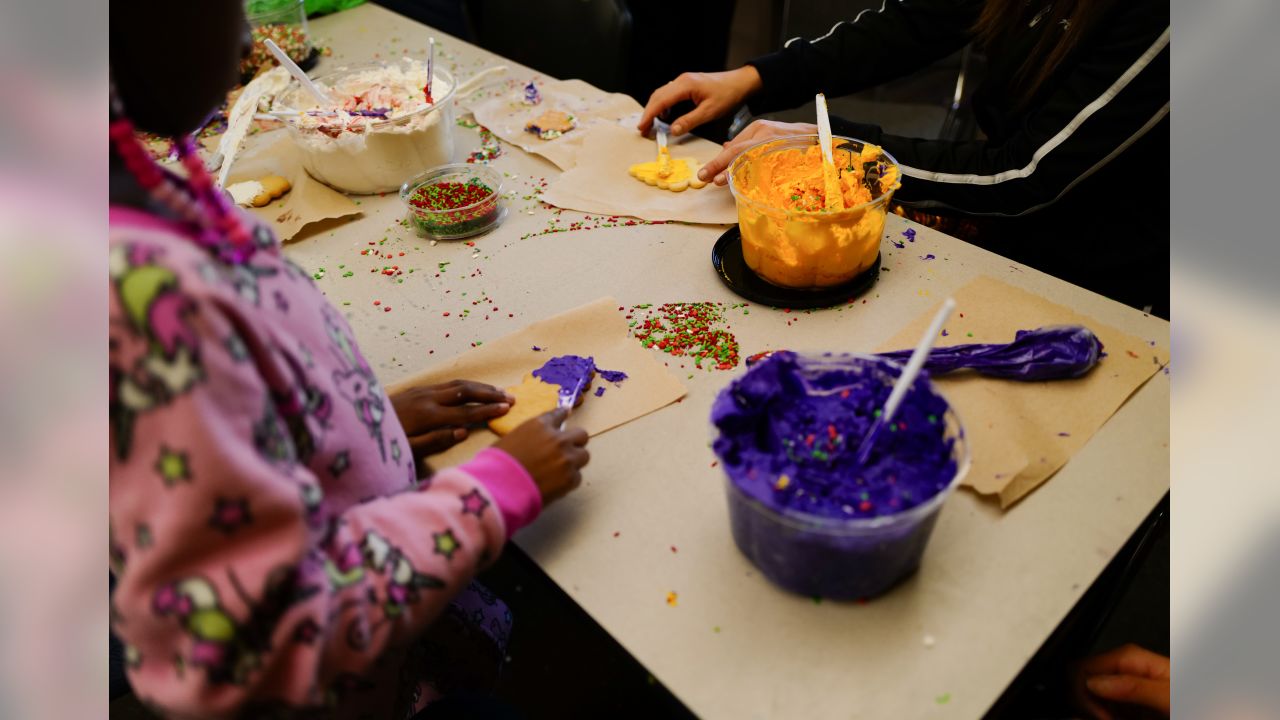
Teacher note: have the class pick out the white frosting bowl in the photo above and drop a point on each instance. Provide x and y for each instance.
(367, 155)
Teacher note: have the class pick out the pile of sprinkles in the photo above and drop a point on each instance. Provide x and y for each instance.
(694, 330)
(490, 148)
(291, 38)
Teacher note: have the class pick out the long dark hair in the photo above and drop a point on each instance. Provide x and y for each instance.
(1000, 18)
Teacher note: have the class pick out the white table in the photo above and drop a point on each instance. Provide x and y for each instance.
(993, 585)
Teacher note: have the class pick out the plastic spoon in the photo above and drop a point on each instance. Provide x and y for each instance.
(906, 379)
(830, 179)
(288, 64)
(567, 400)
(664, 155)
(431, 67)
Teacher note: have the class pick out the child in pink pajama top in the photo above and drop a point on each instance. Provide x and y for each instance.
(274, 541)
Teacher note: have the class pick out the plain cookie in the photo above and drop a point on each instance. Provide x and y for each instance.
(533, 398)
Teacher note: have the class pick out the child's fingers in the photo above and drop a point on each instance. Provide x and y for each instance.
(437, 441)
(461, 392)
(1128, 660)
(1131, 689)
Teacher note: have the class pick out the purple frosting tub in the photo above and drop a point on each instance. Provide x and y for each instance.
(802, 509)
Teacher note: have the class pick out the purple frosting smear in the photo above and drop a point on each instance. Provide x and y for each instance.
(790, 428)
(1048, 353)
(573, 372)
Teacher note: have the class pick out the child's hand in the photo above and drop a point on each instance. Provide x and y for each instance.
(437, 417)
(716, 170)
(714, 94)
(554, 457)
(1123, 682)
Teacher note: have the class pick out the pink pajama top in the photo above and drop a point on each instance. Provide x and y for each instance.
(273, 544)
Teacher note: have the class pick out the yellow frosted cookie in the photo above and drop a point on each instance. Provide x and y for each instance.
(533, 398)
(681, 174)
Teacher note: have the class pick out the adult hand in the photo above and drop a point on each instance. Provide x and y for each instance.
(437, 417)
(1127, 676)
(714, 94)
(758, 131)
(554, 457)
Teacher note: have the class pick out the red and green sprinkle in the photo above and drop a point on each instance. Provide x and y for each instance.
(694, 330)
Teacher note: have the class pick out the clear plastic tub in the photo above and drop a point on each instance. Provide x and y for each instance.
(373, 155)
(836, 557)
(806, 249)
(283, 21)
(455, 223)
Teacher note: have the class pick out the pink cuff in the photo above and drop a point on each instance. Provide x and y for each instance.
(511, 486)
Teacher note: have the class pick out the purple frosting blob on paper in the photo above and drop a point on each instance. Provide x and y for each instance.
(600, 391)
(1048, 353)
(613, 376)
(573, 372)
(789, 416)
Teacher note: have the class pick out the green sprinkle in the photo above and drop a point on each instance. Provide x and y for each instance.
(943, 699)
(817, 599)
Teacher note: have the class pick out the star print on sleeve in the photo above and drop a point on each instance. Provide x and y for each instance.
(473, 503)
(142, 536)
(229, 515)
(236, 348)
(446, 544)
(340, 463)
(172, 466)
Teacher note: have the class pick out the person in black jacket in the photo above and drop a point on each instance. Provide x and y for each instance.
(1071, 175)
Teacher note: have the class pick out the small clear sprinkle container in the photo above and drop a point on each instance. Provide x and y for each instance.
(457, 223)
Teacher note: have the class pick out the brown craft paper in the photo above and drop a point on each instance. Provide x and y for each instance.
(596, 329)
(1022, 433)
(505, 115)
(310, 200)
(601, 184)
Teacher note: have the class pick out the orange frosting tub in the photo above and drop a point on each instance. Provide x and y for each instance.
(788, 236)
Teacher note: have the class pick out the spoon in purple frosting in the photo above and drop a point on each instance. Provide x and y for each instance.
(906, 379)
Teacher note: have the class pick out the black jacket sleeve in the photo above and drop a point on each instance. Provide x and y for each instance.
(874, 47)
(1112, 92)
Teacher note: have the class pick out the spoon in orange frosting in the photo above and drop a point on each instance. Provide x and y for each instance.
(834, 198)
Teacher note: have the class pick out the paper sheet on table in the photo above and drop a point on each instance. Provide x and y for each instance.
(596, 329)
(310, 200)
(1021, 433)
(601, 184)
(240, 116)
(505, 115)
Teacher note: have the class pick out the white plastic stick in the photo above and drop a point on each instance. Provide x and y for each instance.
(824, 128)
(907, 378)
(431, 63)
(288, 64)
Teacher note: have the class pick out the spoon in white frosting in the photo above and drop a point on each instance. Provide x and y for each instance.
(288, 64)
